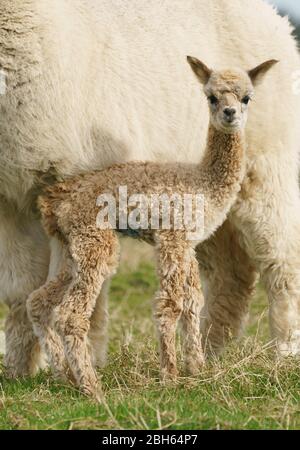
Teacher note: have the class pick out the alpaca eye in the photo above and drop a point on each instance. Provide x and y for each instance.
(213, 100)
(246, 100)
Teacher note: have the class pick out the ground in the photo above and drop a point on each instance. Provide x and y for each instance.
(245, 389)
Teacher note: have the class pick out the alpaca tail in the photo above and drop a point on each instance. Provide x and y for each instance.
(48, 204)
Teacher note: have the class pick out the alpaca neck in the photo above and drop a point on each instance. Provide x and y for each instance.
(223, 165)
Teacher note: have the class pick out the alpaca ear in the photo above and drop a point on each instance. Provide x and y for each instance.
(201, 71)
(256, 75)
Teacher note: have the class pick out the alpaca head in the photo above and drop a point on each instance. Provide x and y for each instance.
(229, 92)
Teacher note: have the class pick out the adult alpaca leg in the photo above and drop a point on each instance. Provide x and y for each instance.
(271, 236)
(229, 280)
(282, 282)
(22, 356)
(24, 261)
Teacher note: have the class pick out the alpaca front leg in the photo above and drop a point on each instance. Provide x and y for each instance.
(173, 266)
(190, 320)
(167, 311)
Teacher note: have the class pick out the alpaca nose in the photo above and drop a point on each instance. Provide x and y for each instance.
(229, 114)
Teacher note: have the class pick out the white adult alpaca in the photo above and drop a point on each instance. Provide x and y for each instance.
(92, 82)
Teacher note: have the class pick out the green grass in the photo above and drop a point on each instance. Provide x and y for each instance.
(245, 389)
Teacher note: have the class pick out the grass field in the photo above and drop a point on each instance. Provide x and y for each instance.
(245, 389)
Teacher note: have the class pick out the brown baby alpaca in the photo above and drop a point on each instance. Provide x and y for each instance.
(61, 309)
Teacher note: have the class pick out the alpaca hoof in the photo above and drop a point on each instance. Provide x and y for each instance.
(194, 366)
(94, 392)
(63, 375)
(290, 348)
(168, 376)
(90, 387)
(14, 373)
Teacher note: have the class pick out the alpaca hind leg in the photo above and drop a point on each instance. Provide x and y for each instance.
(190, 320)
(40, 306)
(96, 260)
